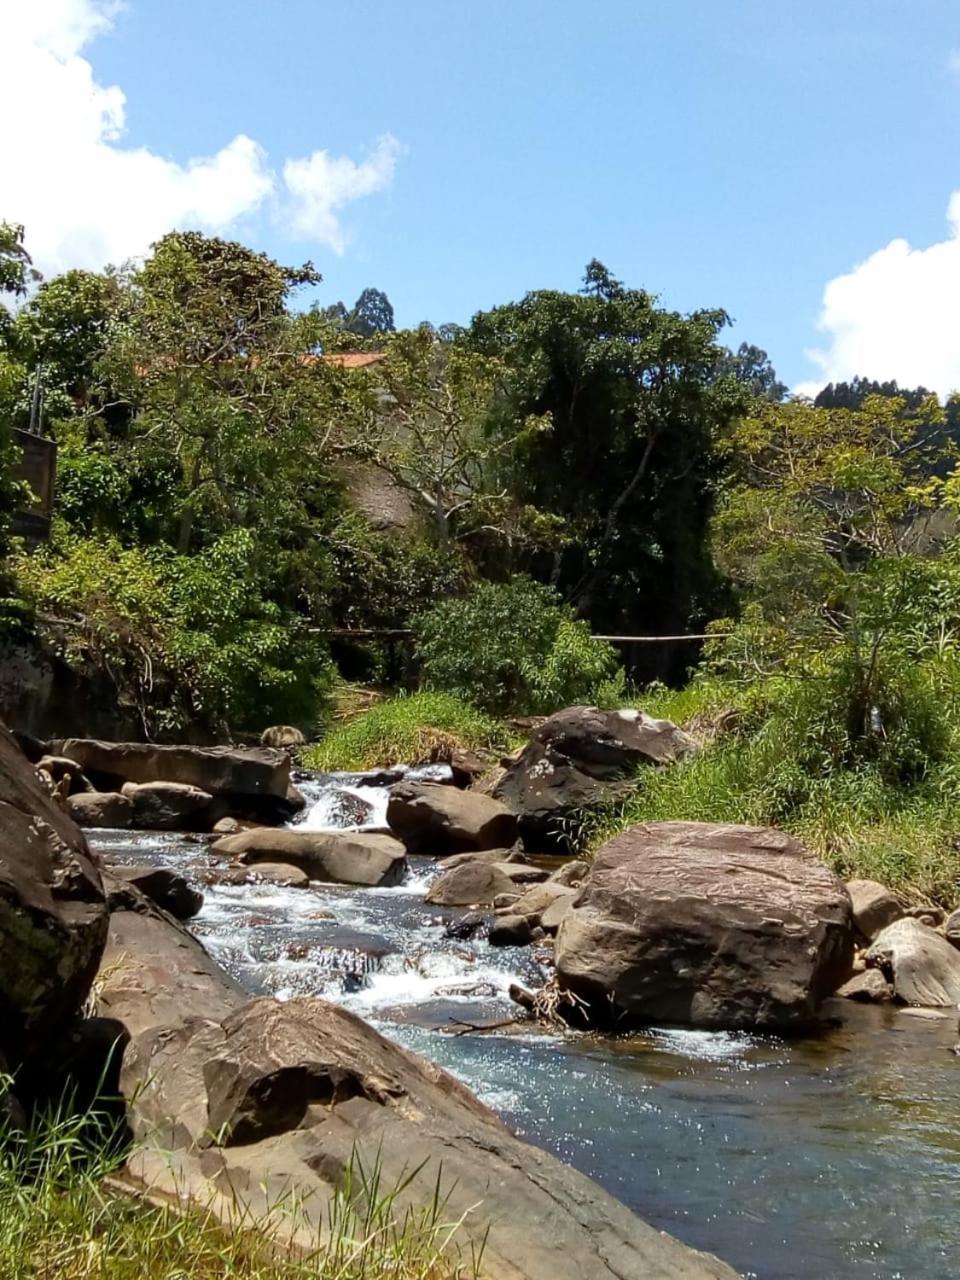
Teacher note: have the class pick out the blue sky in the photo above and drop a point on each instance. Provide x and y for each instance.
(741, 155)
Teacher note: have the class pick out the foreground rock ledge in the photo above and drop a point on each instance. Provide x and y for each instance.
(237, 1104)
(53, 912)
(725, 927)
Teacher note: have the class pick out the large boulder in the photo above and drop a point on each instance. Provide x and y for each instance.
(155, 974)
(578, 758)
(339, 856)
(278, 1099)
(252, 772)
(53, 912)
(921, 964)
(439, 820)
(706, 925)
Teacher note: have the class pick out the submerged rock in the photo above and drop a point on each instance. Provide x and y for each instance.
(435, 819)
(920, 963)
(574, 760)
(53, 912)
(338, 856)
(706, 925)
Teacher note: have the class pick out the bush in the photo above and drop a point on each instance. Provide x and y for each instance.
(512, 648)
(187, 638)
(406, 730)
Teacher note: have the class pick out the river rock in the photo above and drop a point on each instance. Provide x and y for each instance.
(514, 854)
(706, 925)
(874, 906)
(172, 806)
(471, 884)
(279, 873)
(921, 964)
(571, 874)
(339, 856)
(537, 901)
(155, 974)
(574, 761)
(510, 931)
(951, 930)
(53, 911)
(869, 987)
(250, 772)
(466, 926)
(434, 819)
(279, 1097)
(163, 886)
(285, 737)
(101, 809)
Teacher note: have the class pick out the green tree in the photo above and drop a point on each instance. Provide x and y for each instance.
(421, 416)
(632, 403)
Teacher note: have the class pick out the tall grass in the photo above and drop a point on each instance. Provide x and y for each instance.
(63, 1218)
(857, 820)
(406, 730)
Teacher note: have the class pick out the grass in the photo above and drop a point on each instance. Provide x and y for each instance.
(60, 1220)
(861, 825)
(406, 730)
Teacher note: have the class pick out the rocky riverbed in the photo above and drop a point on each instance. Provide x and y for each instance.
(735, 1142)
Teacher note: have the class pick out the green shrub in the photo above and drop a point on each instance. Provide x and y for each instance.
(188, 638)
(406, 730)
(512, 648)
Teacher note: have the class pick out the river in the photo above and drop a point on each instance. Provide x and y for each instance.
(817, 1159)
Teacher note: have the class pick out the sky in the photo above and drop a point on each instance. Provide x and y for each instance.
(796, 165)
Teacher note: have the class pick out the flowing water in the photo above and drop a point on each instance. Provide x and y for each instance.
(818, 1159)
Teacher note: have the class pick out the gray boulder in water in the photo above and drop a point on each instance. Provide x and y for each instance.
(342, 857)
(435, 819)
(921, 964)
(706, 925)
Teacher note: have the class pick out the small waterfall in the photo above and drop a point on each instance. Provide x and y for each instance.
(356, 801)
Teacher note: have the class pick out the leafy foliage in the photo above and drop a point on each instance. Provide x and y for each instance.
(511, 647)
(185, 638)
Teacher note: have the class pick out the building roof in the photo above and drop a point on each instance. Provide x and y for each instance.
(354, 359)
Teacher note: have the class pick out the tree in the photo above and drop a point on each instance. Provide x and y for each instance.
(370, 318)
(830, 529)
(420, 416)
(631, 403)
(233, 418)
(17, 272)
(751, 365)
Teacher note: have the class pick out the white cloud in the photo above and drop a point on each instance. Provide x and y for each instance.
(320, 184)
(895, 316)
(87, 199)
